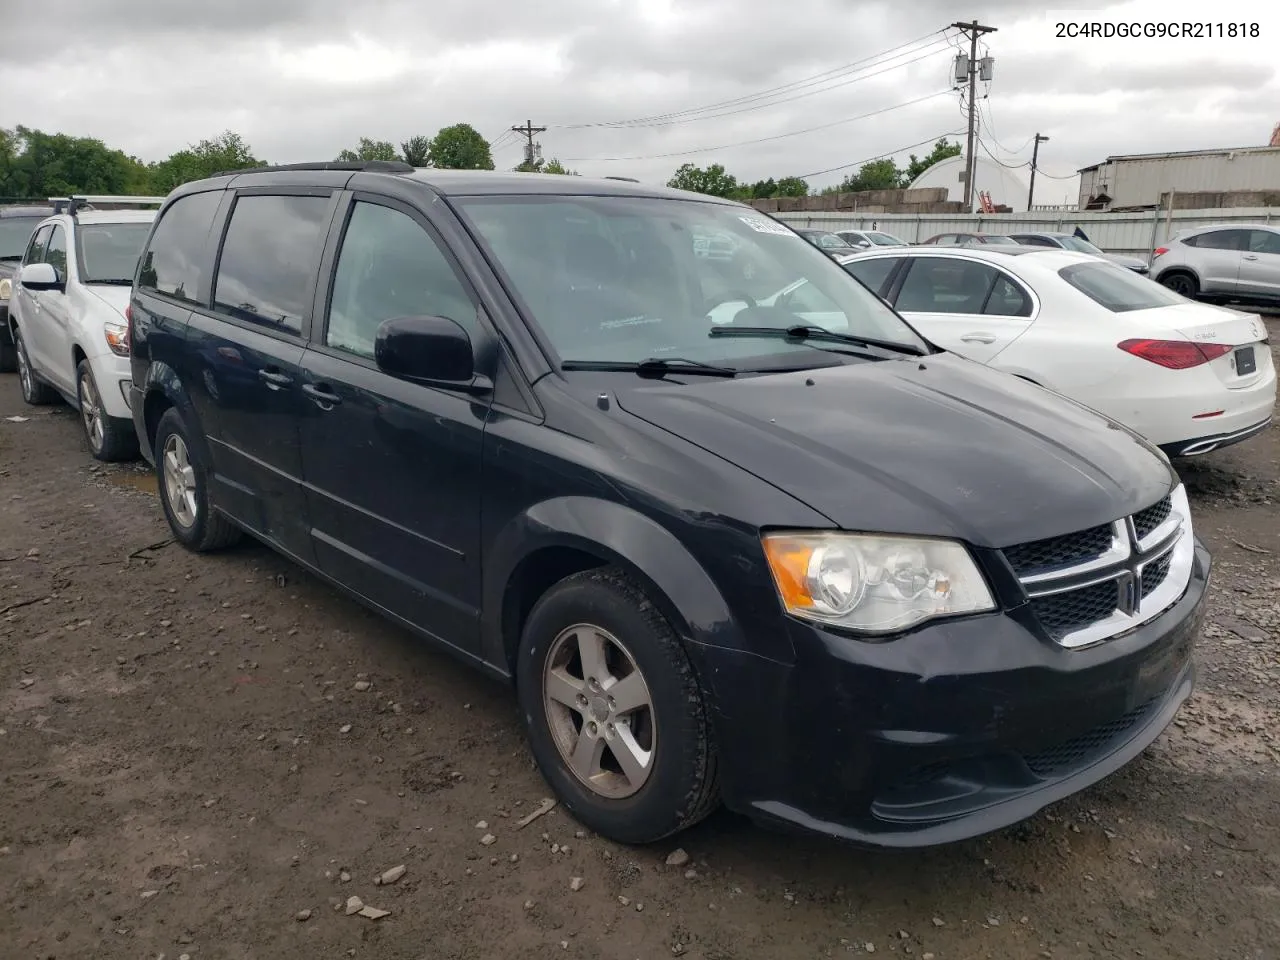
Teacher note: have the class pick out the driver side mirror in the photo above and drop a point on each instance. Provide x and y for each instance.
(435, 351)
(39, 276)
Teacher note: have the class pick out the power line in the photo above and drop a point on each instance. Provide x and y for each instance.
(747, 103)
(744, 143)
(882, 156)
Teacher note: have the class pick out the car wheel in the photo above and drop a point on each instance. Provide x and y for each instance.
(34, 390)
(109, 438)
(183, 482)
(1183, 284)
(615, 716)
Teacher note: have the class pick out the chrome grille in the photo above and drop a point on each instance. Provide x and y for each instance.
(1054, 552)
(1089, 586)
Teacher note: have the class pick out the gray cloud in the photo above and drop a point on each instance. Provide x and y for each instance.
(153, 76)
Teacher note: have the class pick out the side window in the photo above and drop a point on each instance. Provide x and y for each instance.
(1036, 241)
(874, 272)
(1225, 240)
(35, 249)
(267, 267)
(171, 262)
(1007, 300)
(389, 266)
(55, 254)
(1264, 241)
(945, 285)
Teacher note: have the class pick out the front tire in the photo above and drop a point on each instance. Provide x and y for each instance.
(110, 439)
(35, 391)
(615, 716)
(183, 482)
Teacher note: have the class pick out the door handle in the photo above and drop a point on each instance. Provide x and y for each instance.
(979, 338)
(323, 396)
(273, 378)
(1250, 256)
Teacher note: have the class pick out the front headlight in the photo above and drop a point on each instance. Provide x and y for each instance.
(117, 335)
(871, 583)
(6, 288)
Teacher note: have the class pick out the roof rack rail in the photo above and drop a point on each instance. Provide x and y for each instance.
(371, 166)
(79, 201)
(628, 179)
(59, 204)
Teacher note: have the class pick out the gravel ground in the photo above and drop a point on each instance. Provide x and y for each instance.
(208, 757)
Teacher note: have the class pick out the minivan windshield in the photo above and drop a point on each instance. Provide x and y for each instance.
(626, 279)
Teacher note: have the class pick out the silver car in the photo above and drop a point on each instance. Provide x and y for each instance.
(1069, 241)
(1236, 262)
(866, 239)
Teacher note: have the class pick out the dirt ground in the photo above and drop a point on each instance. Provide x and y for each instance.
(197, 751)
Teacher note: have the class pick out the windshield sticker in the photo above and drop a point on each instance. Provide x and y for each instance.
(760, 225)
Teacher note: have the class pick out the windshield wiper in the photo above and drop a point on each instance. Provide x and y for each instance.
(804, 331)
(113, 282)
(653, 367)
(10, 256)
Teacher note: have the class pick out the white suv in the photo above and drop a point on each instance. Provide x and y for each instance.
(67, 315)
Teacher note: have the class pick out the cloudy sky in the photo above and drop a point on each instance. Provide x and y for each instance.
(728, 81)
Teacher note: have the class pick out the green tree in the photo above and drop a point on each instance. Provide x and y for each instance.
(460, 147)
(370, 150)
(227, 151)
(541, 166)
(38, 164)
(713, 180)
(941, 151)
(876, 175)
(416, 150)
(792, 187)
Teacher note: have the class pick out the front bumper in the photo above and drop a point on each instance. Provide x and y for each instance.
(947, 733)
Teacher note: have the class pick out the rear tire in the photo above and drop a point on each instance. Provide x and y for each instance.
(1182, 283)
(34, 390)
(110, 439)
(183, 482)
(634, 774)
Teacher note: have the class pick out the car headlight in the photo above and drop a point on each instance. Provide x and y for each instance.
(6, 288)
(871, 583)
(117, 335)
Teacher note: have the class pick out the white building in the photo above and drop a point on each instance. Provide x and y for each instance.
(1138, 180)
(1004, 185)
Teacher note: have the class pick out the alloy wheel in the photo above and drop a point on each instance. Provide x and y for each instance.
(24, 370)
(91, 412)
(600, 711)
(179, 480)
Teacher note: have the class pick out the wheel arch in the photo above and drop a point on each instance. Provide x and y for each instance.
(556, 538)
(161, 389)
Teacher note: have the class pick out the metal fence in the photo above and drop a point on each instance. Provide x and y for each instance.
(1135, 234)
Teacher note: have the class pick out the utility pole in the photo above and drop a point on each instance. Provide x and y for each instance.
(1035, 155)
(973, 31)
(527, 131)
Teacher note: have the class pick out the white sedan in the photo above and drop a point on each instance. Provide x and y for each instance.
(1188, 376)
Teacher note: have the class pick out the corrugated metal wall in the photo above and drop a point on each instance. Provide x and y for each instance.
(1130, 233)
(1138, 182)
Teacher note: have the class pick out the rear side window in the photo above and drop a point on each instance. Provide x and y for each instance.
(171, 263)
(874, 272)
(1220, 240)
(267, 268)
(1118, 289)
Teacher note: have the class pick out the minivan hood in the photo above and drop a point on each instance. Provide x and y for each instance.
(934, 446)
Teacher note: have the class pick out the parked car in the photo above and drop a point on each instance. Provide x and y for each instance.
(1069, 241)
(968, 239)
(863, 239)
(67, 317)
(825, 240)
(1189, 377)
(1222, 263)
(749, 562)
(16, 225)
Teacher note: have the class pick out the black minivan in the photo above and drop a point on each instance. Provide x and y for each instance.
(731, 527)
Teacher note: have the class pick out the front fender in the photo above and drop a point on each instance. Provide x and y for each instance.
(618, 534)
(162, 380)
